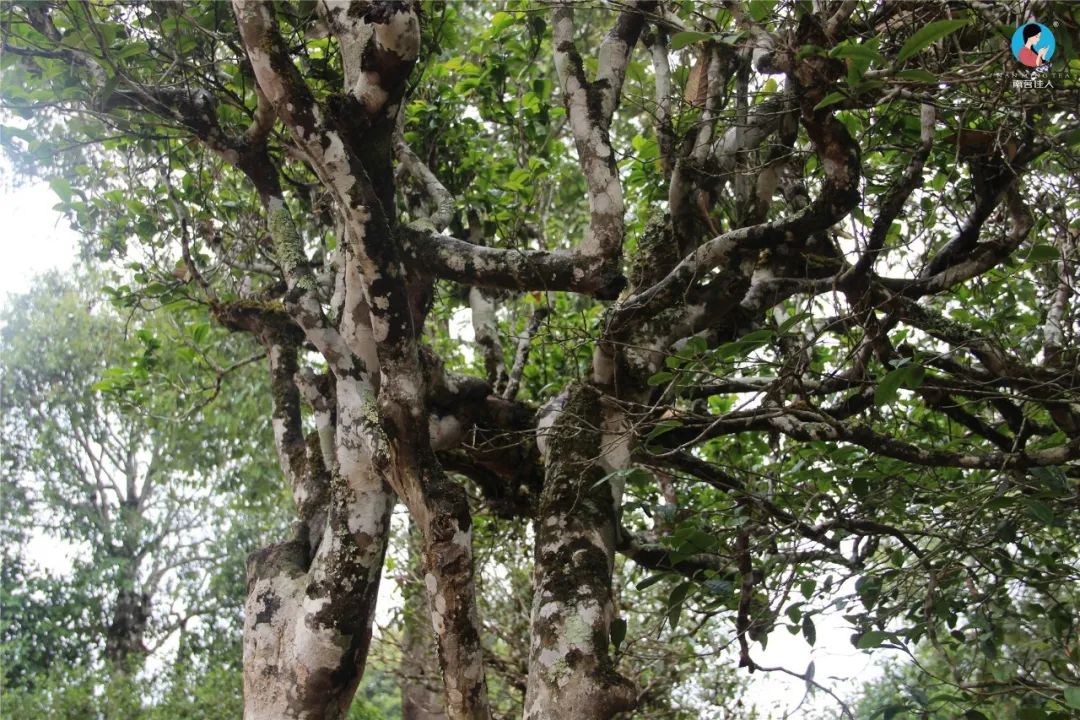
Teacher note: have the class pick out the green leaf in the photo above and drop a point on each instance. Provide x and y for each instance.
(1043, 253)
(687, 37)
(1072, 697)
(760, 9)
(913, 376)
(807, 50)
(757, 336)
(62, 188)
(649, 581)
(531, 102)
(675, 603)
(831, 99)
(869, 588)
(1040, 511)
(791, 322)
(885, 392)
(809, 632)
(917, 75)
(871, 639)
(909, 376)
(975, 715)
(926, 36)
(500, 21)
(691, 540)
(659, 378)
(888, 712)
(860, 486)
(199, 333)
(864, 52)
(664, 426)
(618, 631)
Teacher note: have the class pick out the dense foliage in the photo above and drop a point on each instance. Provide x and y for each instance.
(668, 323)
(111, 461)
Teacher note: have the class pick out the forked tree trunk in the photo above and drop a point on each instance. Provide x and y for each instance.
(311, 600)
(307, 625)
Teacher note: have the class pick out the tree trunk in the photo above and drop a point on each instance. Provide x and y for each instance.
(421, 694)
(307, 627)
(311, 600)
(124, 647)
(571, 674)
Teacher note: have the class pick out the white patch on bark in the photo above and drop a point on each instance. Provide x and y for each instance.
(445, 431)
(336, 160)
(545, 418)
(401, 35)
(265, 694)
(455, 262)
(755, 296)
(380, 328)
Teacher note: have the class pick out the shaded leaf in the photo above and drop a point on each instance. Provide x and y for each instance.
(809, 631)
(831, 99)
(618, 631)
(687, 37)
(871, 639)
(928, 35)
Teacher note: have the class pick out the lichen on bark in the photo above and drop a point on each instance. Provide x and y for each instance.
(571, 671)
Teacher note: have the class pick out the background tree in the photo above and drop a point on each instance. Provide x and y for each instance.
(774, 300)
(1012, 639)
(124, 477)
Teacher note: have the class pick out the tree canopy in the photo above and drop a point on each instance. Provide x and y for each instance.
(151, 497)
(668, 323)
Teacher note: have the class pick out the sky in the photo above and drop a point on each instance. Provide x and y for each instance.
(35, 238)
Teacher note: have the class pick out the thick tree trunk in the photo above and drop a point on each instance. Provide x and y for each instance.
(571, 674)
(307, 625)
(311, 601)
(124, 646)
(446, 528)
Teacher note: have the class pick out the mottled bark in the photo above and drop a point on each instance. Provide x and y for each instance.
(311, 600)
(389, 420)
(446, 527)
(348, 147)
(421, 694)
(308, 625)
(571, 673)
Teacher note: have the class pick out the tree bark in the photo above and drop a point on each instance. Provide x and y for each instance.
(124, 646)
(307, 626)
(311, 600)
(420, 698)
(571, 673)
